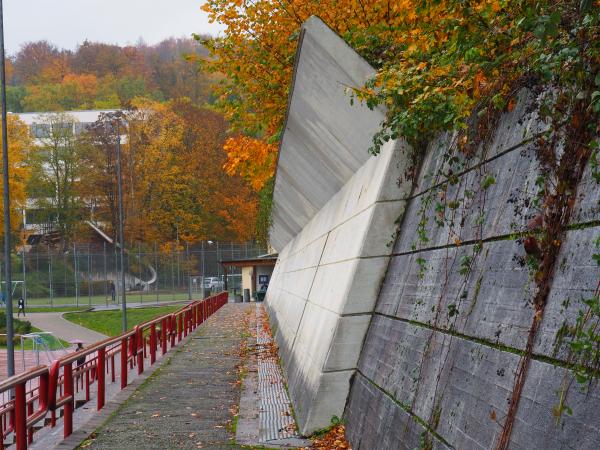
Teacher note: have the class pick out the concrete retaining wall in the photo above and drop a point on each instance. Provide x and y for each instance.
(440, 357)
(427, 321)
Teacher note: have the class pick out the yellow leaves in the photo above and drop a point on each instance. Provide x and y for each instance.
(19, 144)
(253, 159)
(412, 48)
(416, 47)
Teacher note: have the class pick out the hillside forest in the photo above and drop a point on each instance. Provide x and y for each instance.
(175, 187)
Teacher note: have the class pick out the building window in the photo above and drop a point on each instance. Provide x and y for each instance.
(40, 130)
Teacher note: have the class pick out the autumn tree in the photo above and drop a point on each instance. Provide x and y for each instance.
(32, 59)
(98, 185)
(104, 76)
(55, 166)
(174, 185)
(229, 205)
(440, 66)
(19, 144)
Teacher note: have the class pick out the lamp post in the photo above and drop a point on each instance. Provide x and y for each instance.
(121, 240)
(10, 348)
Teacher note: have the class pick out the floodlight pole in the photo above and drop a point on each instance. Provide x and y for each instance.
(10, 348)
(121, 240)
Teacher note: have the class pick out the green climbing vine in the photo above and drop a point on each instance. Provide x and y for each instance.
(460, 86)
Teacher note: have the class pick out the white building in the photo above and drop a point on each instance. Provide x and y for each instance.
(40, 129)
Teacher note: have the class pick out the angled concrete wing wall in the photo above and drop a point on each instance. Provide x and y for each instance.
(336, 209)
(325, 284)
(325, 141)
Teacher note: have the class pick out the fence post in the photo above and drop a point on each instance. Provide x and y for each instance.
(139, 348)
(69, 393)
(76, 280)
(101, 375)
(50, 276)
(89, 277)
(152, 343)
(24, 285)
(139, 260)
(20, 417)
(66, 292)
(172, 328)
(123, 363)
(157, 271)
(163, 332)
(172, 275)
(105, 274)
(117, 277)
(189, 267)
(179, 327)
(112, 367)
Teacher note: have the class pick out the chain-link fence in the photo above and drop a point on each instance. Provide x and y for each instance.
(85, 274)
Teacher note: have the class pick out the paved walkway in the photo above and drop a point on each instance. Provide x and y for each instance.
(190, 401)
(63, 328)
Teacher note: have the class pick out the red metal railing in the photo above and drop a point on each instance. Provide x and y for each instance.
(27, 398)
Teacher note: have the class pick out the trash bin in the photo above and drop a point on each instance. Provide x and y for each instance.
(260, 296)
(246, 295)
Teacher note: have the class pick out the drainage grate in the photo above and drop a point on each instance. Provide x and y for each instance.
(276, 420)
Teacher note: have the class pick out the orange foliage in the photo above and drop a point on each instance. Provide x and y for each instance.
(256, 55)
(253, 159)
(174, 185)
(334, 439)
(19, 143)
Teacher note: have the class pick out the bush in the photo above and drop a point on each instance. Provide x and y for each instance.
(20, 327)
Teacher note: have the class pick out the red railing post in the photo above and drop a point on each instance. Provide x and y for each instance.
(101, 376)
(152, 343)
(172, 329)
(70, 395)
(132, 349)
(163, 332)
(124, 363)
(139, 350)
(112, 367)
(179, 327)
(186, 322)
(87, 383)
(29, 413)
(20, 423)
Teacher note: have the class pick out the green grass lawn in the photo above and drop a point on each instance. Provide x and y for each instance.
(43, 309)
(109, 322)
(84, 300)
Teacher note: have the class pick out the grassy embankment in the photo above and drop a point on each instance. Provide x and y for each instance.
(109, 322)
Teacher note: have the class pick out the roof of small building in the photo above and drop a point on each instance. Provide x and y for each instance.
(261, 260)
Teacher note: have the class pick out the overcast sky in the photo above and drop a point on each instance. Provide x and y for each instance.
(67, 23)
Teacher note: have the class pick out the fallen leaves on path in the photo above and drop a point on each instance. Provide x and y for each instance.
(333, 439)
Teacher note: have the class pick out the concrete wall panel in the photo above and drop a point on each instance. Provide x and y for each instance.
(325, 139)
(455, 310)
